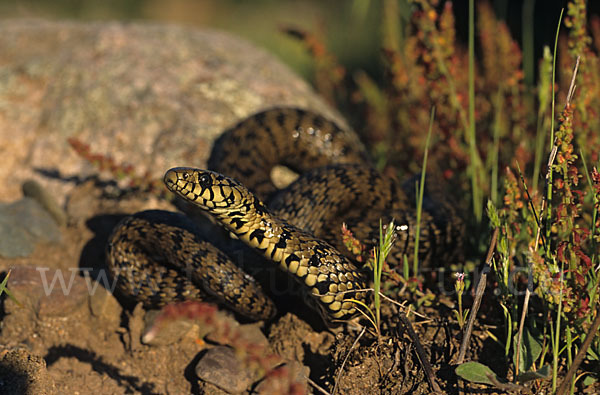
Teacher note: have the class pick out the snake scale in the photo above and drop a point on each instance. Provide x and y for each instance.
(157, 257)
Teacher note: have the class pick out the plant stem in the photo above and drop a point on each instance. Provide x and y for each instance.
(549, 174)
(377, 273)
(569, 351)
(476, 191)
(420, 191)
(380, 254)
(528, 290)
(498, 103)
(542, 118)
(556, 343)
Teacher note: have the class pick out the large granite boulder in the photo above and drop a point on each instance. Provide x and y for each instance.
(150, 95)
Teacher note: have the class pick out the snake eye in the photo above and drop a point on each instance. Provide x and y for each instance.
(204, 180)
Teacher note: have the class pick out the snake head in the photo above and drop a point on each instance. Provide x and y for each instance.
(207, 189)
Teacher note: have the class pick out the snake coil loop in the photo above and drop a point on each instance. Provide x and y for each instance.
(298, 231)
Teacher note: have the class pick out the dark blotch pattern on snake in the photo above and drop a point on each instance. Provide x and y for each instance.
(156, 260)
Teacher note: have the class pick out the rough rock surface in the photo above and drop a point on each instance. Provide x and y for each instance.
(150, 95)
(22, 224)
(220, 366)
(22, 373)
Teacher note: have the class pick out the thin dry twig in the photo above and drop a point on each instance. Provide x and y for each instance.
(581, 354)
(317, 386)
(478, 296)
(435, 388)
(337, 380)
(508, 387)
(401, 305)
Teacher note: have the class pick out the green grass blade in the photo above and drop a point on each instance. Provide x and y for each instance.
(420, 191)
(385, 246)
(4, 289)
(549, 186)
(545, 71)
(370, 316)
(528, 42)
(474, 159)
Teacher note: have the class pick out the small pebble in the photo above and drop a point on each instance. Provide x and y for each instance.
(14, 241)
(34, 190)
(22, 224)
(220, 367)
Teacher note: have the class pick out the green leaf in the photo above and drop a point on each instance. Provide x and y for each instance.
(456, 315)
(476, 372)
(540, 374)
(531, 348)
(5, 290)
(3, 283)
(405, 266)
(589, 380)
(593, 354)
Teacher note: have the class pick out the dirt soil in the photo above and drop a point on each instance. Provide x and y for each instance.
(89, 340)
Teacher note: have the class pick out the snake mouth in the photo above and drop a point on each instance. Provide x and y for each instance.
(184, 180)
(206, 189)
(170, 179)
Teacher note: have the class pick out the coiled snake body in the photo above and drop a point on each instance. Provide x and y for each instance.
(158, 257)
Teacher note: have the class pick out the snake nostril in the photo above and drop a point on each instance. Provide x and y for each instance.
(170, 178)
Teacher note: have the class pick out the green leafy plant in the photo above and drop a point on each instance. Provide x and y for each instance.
(548, 234)
(377, 263)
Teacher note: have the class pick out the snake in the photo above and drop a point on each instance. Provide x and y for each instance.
(159, 257)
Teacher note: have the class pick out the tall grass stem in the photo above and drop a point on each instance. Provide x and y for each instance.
(549, 170)
(528, 42)
(420, 192)
(475, 163)
(556, 340)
